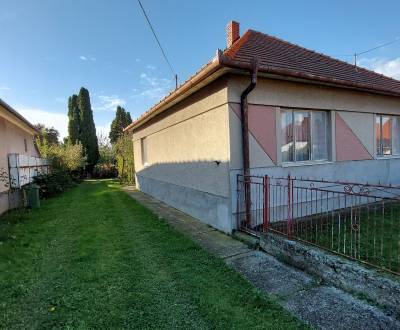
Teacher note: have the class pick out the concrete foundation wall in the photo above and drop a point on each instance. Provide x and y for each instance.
(384, 171)
(211, 209)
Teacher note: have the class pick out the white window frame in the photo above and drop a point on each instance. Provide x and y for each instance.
(378, 154)
(328, 134)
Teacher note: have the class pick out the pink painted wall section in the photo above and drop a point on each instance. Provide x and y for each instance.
(348, 145)
(262, 125)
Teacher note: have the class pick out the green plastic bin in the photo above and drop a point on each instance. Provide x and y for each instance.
(32, 191)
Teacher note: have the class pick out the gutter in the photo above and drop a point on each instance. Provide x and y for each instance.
(223, 61)
(282, 72)
(245, 137)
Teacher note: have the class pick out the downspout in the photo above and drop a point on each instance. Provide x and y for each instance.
(245, 138)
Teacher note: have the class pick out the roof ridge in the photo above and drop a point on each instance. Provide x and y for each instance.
(322, 54)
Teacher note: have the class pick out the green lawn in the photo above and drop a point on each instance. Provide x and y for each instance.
(95, 258)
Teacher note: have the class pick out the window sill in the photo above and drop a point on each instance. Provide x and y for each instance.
(387, 157)
(307, 163)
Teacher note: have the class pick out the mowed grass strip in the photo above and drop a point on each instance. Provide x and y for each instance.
(95, 258)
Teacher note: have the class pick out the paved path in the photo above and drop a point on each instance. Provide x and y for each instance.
(321, 306)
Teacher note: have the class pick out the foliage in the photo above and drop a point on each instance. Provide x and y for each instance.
(123, 150)
(73, 120)
(105, 170)
(67, 157)
(50, 134)
(95, 258)
(106, 152)
(54, 183)
(121, 120)
(87, 135)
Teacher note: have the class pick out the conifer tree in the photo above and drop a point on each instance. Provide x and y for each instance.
(87, 127)
(74, 120)
(122, 119)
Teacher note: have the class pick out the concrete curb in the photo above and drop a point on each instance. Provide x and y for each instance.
(339, 272)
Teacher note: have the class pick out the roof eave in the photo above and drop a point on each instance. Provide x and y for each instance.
(279, 72)
(16, 114)
(206, 75)
(223, 64)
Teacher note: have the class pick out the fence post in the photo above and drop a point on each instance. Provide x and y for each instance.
(238, 224)
(247, 199)
(289, 208)
(266, 204)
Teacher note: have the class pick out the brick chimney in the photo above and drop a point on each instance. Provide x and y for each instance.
(232, 33)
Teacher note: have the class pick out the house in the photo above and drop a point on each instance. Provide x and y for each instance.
(304, 114)
(17, 140)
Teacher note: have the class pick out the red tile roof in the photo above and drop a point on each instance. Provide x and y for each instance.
(282, 58)
(274, 53)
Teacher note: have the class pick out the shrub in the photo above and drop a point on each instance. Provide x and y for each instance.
(123, 150)
(105, 170)
(54, 183)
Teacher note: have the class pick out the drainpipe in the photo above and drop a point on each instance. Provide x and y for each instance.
(245, 138)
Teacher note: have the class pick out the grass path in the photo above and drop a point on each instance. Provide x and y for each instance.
(95, 258)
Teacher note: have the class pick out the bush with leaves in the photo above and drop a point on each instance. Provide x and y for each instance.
(105, 171)
(54, 183)
(67, 157)
(67, 161)
(105, 167)
(123, 151)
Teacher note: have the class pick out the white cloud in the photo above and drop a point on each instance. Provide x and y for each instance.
(50, 119)
(153, 87)
(5, 88)
(151, 67)
(390, 68)
(87, 58)
(108, 103)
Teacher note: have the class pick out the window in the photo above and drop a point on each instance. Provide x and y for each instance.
(387, 132)
(143, 145)
(25, 145)
(305, 135)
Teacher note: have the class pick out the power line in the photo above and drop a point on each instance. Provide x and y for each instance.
(380, 46)
(355, 55)
(159, 44)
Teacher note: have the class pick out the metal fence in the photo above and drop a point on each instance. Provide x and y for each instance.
(24, 168)
(356, 220)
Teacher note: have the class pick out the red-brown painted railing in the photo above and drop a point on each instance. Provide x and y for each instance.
(359, 221)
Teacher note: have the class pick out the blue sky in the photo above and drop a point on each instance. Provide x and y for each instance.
(50, 48)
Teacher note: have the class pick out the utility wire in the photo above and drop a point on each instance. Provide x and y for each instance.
(368, 50)
(159, 45)
(380, 46)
